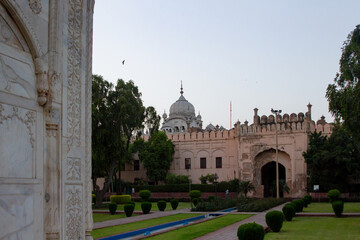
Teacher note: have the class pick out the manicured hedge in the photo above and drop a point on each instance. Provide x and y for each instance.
(145, 194)
(112, 208)
(299, 205)
(215, 205)
(333, 195)
(251, 231)
(146, 207)
(194, 194)
(338, 207)
(120, 199)
(274, 220)
(174, 203)
(195, 201)
(307, 199)
(258, 205)
(161, 205)
(288, 211)
(221, 187)
(129, 209)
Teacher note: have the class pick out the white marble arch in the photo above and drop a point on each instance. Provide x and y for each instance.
(45, 119)
(21, 136)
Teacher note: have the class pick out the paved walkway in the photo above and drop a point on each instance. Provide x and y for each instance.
(230, 232)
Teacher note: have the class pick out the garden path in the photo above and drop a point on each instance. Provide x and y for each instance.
(230, 232)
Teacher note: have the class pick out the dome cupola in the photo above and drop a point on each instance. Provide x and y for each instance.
(182, 107)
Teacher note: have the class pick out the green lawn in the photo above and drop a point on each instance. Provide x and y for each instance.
(108, 231)
(201, 229)
(101, 217)
(318, 228)
(154, 207)
(349, 207)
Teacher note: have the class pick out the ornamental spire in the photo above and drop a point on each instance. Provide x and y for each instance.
(181, 89)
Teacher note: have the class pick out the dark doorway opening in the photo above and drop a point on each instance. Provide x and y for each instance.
(268, 178)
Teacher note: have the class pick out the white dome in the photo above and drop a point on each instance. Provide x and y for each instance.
(182, 108)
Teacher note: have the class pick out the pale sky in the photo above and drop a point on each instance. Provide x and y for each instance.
(264, 54)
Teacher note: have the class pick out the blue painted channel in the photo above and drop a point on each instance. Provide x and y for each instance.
(228, 210)
(150, 229)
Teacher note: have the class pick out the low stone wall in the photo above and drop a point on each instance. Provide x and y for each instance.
(324, 195)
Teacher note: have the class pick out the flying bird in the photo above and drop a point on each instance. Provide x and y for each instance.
(123, 62)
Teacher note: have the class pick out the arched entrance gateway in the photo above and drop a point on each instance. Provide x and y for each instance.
(268, 178)
(265, 172)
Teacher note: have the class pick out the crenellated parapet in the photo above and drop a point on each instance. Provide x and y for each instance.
(203, 136)
(324, 127)
(286, 123)
(287, 127)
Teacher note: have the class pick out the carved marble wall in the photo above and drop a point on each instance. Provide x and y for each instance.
(45, 119)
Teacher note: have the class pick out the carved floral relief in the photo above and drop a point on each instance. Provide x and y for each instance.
(74, 73)
(74, 212)
(35, 6)
(73, 172)
(17, 141)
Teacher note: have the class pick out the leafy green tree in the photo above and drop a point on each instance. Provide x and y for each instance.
(156, 155)
(344, 94)
(117, 115)
(176, 179)
(103, 134)
(152, 120)
(127, 109)
(314, 157)
(333, 162)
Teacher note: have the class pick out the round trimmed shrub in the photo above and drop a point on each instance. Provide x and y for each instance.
(333, 195)
(112, 208)
(274, 220)
(120, 199)
(251, 231)
(129, 209)
(131, 202)
(305, 202)
(195, 194)
(293, 206)
(338, 207)
(302, 204)
(211, 198)
(161, 205)
(174, 203)
(288, 211)
(146, 207)
(145, 195)
(298, 205)
(195, 201)
(308, 199)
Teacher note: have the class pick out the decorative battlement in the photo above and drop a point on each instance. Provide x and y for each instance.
(262, 125)
(205, 135)
(282, 127)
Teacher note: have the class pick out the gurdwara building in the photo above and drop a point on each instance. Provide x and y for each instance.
(247, 151)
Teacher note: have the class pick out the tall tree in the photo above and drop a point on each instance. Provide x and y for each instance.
(127, 108)
(117, 114)
(333, 162)
(103, 158)
(156, 155)
(152, 120)
(344, 94)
